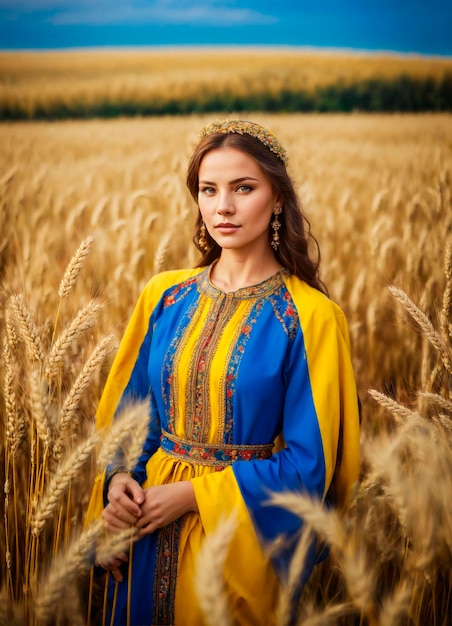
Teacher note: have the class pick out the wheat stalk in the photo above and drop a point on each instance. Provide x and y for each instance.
(85, 319)
(120, 432)
(399, 411)
(397, 606)
(360, 578)
(72, 401)
(427, 327)
(60, 481)
(314, 513)
(437, 399)
(291, 587)
(74, 267)
(15, 428)
(79, 556)
(161, 252)
(447, 295)
(208, 581)
(37, 409)
(330, 615)
(134, 448)
(26, 327)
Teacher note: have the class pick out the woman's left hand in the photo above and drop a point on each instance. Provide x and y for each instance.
(165, 503)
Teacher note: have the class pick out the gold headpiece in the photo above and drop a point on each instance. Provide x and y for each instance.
(241, 127)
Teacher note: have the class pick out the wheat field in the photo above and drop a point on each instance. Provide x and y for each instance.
(90, 210)
(46, 83)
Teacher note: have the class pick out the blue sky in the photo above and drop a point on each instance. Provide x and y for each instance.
(417, 26)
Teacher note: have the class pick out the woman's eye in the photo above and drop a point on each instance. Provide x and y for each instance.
(207, 190)
(244, 188)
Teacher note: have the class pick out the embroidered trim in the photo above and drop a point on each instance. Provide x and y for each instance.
(285, 311)
(197, 417)
(260, 290)
(165, 575)
(178, 291)
(213, 455)
(235, 358)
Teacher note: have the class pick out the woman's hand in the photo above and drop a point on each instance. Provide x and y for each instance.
(125, 497)
(122, 511)
(113, 565)
(165, 503)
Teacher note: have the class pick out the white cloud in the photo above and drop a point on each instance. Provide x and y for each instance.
(172, 12)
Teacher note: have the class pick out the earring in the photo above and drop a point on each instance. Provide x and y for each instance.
(276, 225)
(202, 240)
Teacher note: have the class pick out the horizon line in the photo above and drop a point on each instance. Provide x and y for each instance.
(229, 47)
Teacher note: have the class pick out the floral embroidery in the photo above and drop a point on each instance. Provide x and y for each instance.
(218, 456)
(285, 311)
(179, 291)
(234, 363)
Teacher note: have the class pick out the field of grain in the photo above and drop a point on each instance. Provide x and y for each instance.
(377, 190)
(107, 83)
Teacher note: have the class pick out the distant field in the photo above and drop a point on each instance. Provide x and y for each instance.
(68, 84)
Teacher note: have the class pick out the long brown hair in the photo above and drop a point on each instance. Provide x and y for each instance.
(298, 249)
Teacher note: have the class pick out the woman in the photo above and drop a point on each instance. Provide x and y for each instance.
(232, 353)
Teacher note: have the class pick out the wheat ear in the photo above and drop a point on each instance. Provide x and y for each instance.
(427, 327)
(161, 252)
(61, 480)
(72, 401)
(85, 319)
(396, 606)
(15, 428)
(74, 267)
(120, 431)
(79, 556)
(115, 544)
(437, 399)
(27, 328)
(37, 409)
(400, 412)
(208, 581)
(288, 590)
(447, 295)
(133, 450)
(329, 616)
(325, 522)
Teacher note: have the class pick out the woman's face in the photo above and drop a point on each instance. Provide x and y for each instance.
(236, 200)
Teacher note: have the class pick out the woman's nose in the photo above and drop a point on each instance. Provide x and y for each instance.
(225, 204)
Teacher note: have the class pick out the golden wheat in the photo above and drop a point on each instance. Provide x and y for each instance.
(85, 319)
(74, 267)
(377, 190)
(91, 77)
(209, 581)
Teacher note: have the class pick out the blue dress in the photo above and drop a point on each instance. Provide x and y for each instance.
(226, 373)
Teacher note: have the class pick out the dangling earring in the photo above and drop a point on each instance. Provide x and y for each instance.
(276, 225)
(202, 238)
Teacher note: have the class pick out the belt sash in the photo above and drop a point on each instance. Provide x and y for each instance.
(212, 454)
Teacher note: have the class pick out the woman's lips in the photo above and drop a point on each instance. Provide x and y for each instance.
(226, 227)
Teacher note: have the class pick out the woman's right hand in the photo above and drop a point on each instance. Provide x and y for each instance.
(122, 511)
(125, 497)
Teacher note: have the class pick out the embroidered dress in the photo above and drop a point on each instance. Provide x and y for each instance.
(225, 374)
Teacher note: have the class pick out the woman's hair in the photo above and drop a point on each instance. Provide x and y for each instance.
(298, 249)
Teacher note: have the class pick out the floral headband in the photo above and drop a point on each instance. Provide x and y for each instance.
(240, 127)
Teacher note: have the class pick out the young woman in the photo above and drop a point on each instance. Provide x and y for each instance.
(232, 353)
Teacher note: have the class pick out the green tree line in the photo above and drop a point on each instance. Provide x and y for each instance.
(403, 94)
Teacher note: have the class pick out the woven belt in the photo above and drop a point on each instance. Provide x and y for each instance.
(216, 455)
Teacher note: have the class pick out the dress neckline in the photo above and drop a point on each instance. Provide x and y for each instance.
(259, 290)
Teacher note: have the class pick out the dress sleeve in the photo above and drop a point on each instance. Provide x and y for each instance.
(126, 383)
(320, 428)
